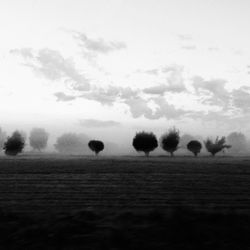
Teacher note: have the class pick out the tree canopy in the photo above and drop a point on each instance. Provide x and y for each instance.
(170, 140)
(145, 142)
(194, 146)
(216, 146)
(96, 146)
(14, 144)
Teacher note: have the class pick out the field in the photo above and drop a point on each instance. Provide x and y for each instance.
(124, 202)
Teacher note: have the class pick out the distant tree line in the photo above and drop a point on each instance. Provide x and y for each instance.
(146, 142)
(169, 142)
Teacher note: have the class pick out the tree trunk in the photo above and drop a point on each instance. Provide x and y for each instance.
(147, 154)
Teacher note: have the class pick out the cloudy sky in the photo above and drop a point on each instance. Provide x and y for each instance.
(111, 67)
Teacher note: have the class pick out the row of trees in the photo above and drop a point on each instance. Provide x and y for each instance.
(69, 143)
(15, 143)
(147, 142)
(38, 139)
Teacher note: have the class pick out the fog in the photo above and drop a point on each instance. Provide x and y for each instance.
(120, 143)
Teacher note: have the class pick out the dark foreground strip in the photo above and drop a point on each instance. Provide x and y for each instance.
(173, 229)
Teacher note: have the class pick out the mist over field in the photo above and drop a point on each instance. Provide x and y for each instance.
(77, 144)
(125, 124)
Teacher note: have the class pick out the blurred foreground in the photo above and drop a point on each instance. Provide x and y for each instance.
(54, 202)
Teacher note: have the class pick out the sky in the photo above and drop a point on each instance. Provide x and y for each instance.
(109, 68)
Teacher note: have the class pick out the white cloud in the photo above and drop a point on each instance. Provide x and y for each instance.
(53, 66)
(189, 47)
(93, 123)
(212, 91)
(175, 78)
(98, 45)
(62, 97)
(156, 90)
(241, 99)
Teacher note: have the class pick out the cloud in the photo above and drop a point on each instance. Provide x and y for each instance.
(149, 71)
(92, 123)
(24, 52)
(167, 110)
(53, 66)
(184, 37)
(98, 45)
(241, 99)
(139, 107)
(62, 97)
(110, 95)
(213, 91)
(156, 90)
(189, 47)
(104, 96)
(213, 49)
(175, 79)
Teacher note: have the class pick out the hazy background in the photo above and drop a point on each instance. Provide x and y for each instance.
(109, 68)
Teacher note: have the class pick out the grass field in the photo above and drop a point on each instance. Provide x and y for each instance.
(124, 202)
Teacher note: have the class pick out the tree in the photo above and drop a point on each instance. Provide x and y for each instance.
(71, 143)
(194, 146)
(238, 142)
(38, 138)
(170, 141)
(216, 146)
(14, 144)
(145, 142)
(96, 146)
(3, 137)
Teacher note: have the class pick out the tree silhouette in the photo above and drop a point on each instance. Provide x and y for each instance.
(170, 141)
(96, 146)
(194, 146)
(14, 144)
(145, 142)
(38, 138)
(216, 146)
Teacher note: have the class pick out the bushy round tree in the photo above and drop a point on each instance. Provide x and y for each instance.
(216, 146)
(145, 142)
(14, 144)
(195, 147)
(38, 138)
(170, 141)
(96, 146)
